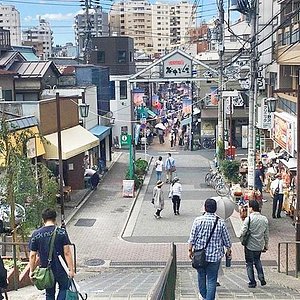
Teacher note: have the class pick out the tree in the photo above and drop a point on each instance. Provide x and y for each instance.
(21, 182)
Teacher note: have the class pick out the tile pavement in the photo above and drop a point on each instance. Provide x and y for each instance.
(103, 240)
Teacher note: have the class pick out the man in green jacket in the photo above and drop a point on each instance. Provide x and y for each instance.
(256, 243)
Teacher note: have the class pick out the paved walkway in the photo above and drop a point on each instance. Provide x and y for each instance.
(112, 231)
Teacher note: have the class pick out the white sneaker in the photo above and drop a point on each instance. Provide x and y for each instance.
(264, 200)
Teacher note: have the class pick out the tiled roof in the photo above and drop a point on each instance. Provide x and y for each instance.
(32, 69)
(22, 122)
(5, 72)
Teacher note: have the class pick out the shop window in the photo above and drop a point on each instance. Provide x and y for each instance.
(123, 89)
(100, 57)
(112, 88)
(121, 56)
(7, 95)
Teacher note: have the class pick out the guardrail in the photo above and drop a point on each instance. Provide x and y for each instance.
(296, 243)
(165, 288)
(14, 257)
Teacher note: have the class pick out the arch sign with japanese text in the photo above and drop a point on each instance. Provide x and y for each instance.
(177, 66)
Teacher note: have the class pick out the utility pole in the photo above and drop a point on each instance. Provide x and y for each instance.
(220, 85)
(297, 212)
(88, 4)
(252, 94)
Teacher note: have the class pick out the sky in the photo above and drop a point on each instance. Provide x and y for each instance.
(60, 14)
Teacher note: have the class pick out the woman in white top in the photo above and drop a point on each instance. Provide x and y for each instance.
(159, 168)
(175, 193)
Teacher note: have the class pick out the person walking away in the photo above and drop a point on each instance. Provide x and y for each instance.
(159, 168)
(158, 199)
(175, 193)
(258, 179)
(39, 245)
(256, 243)
(201, 229)
(94, 178)
(172, 138)
(276, 191)
(160, 135)
(170, 167)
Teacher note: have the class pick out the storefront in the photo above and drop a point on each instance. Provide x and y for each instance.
(75, 142)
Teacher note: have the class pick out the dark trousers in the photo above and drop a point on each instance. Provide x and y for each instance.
(176, 203)
(63, 285)
(277, 205)
(253, 258)
(158, 212)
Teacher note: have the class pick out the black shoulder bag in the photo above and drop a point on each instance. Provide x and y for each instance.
(199, 258)
(244, 238)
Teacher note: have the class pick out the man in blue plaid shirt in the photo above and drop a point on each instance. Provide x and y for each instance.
(201, 229)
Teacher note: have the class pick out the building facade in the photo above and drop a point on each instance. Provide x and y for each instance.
(156, 28)
(10, 19)
(41, 38)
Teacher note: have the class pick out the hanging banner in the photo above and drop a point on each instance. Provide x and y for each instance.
(137, 95)
(284, 133)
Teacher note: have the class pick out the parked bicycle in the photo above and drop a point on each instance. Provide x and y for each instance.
(216, 180)
(209, 143)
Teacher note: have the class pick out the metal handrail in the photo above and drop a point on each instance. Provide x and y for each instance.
(165, 288)
(14, 254)
(287, 243)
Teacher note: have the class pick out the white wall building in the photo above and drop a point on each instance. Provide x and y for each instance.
(10, 19)
(41, 38)
(98, 22)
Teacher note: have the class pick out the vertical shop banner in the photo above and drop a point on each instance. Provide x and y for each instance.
(212, 97)
(186, 105)
(244, 136)
(137, 95)
(284, 133)
(264, 119)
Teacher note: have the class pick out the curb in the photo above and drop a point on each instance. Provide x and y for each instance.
(145, 185)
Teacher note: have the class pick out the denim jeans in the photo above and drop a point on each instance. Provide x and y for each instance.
(158, 175)
(253, 258)
(277, 205)
(63, 285)
(207, 280)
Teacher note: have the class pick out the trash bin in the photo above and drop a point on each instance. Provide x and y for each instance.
(231, 152)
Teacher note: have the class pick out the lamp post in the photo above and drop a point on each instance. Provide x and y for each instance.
(271, 103)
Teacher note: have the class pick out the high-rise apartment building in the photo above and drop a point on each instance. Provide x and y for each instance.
(156, 28)
(97, 25)
(40, 38)
(10, 20)
(134, 19)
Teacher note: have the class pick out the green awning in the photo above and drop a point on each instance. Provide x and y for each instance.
(150, 112)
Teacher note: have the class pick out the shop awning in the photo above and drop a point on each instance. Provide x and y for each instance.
(186, 121)
(291, 164)
(150, 112)
(74, 141)
(101, 132)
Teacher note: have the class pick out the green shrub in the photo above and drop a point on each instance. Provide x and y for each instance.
(141, 166)
(230, 170)
(138, 180)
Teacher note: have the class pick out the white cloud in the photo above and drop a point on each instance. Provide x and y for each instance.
(57, 17)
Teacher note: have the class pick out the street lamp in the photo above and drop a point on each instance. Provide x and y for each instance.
(271, 102)
(84, 110)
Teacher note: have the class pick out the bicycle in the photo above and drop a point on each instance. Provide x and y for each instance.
(209, 143)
